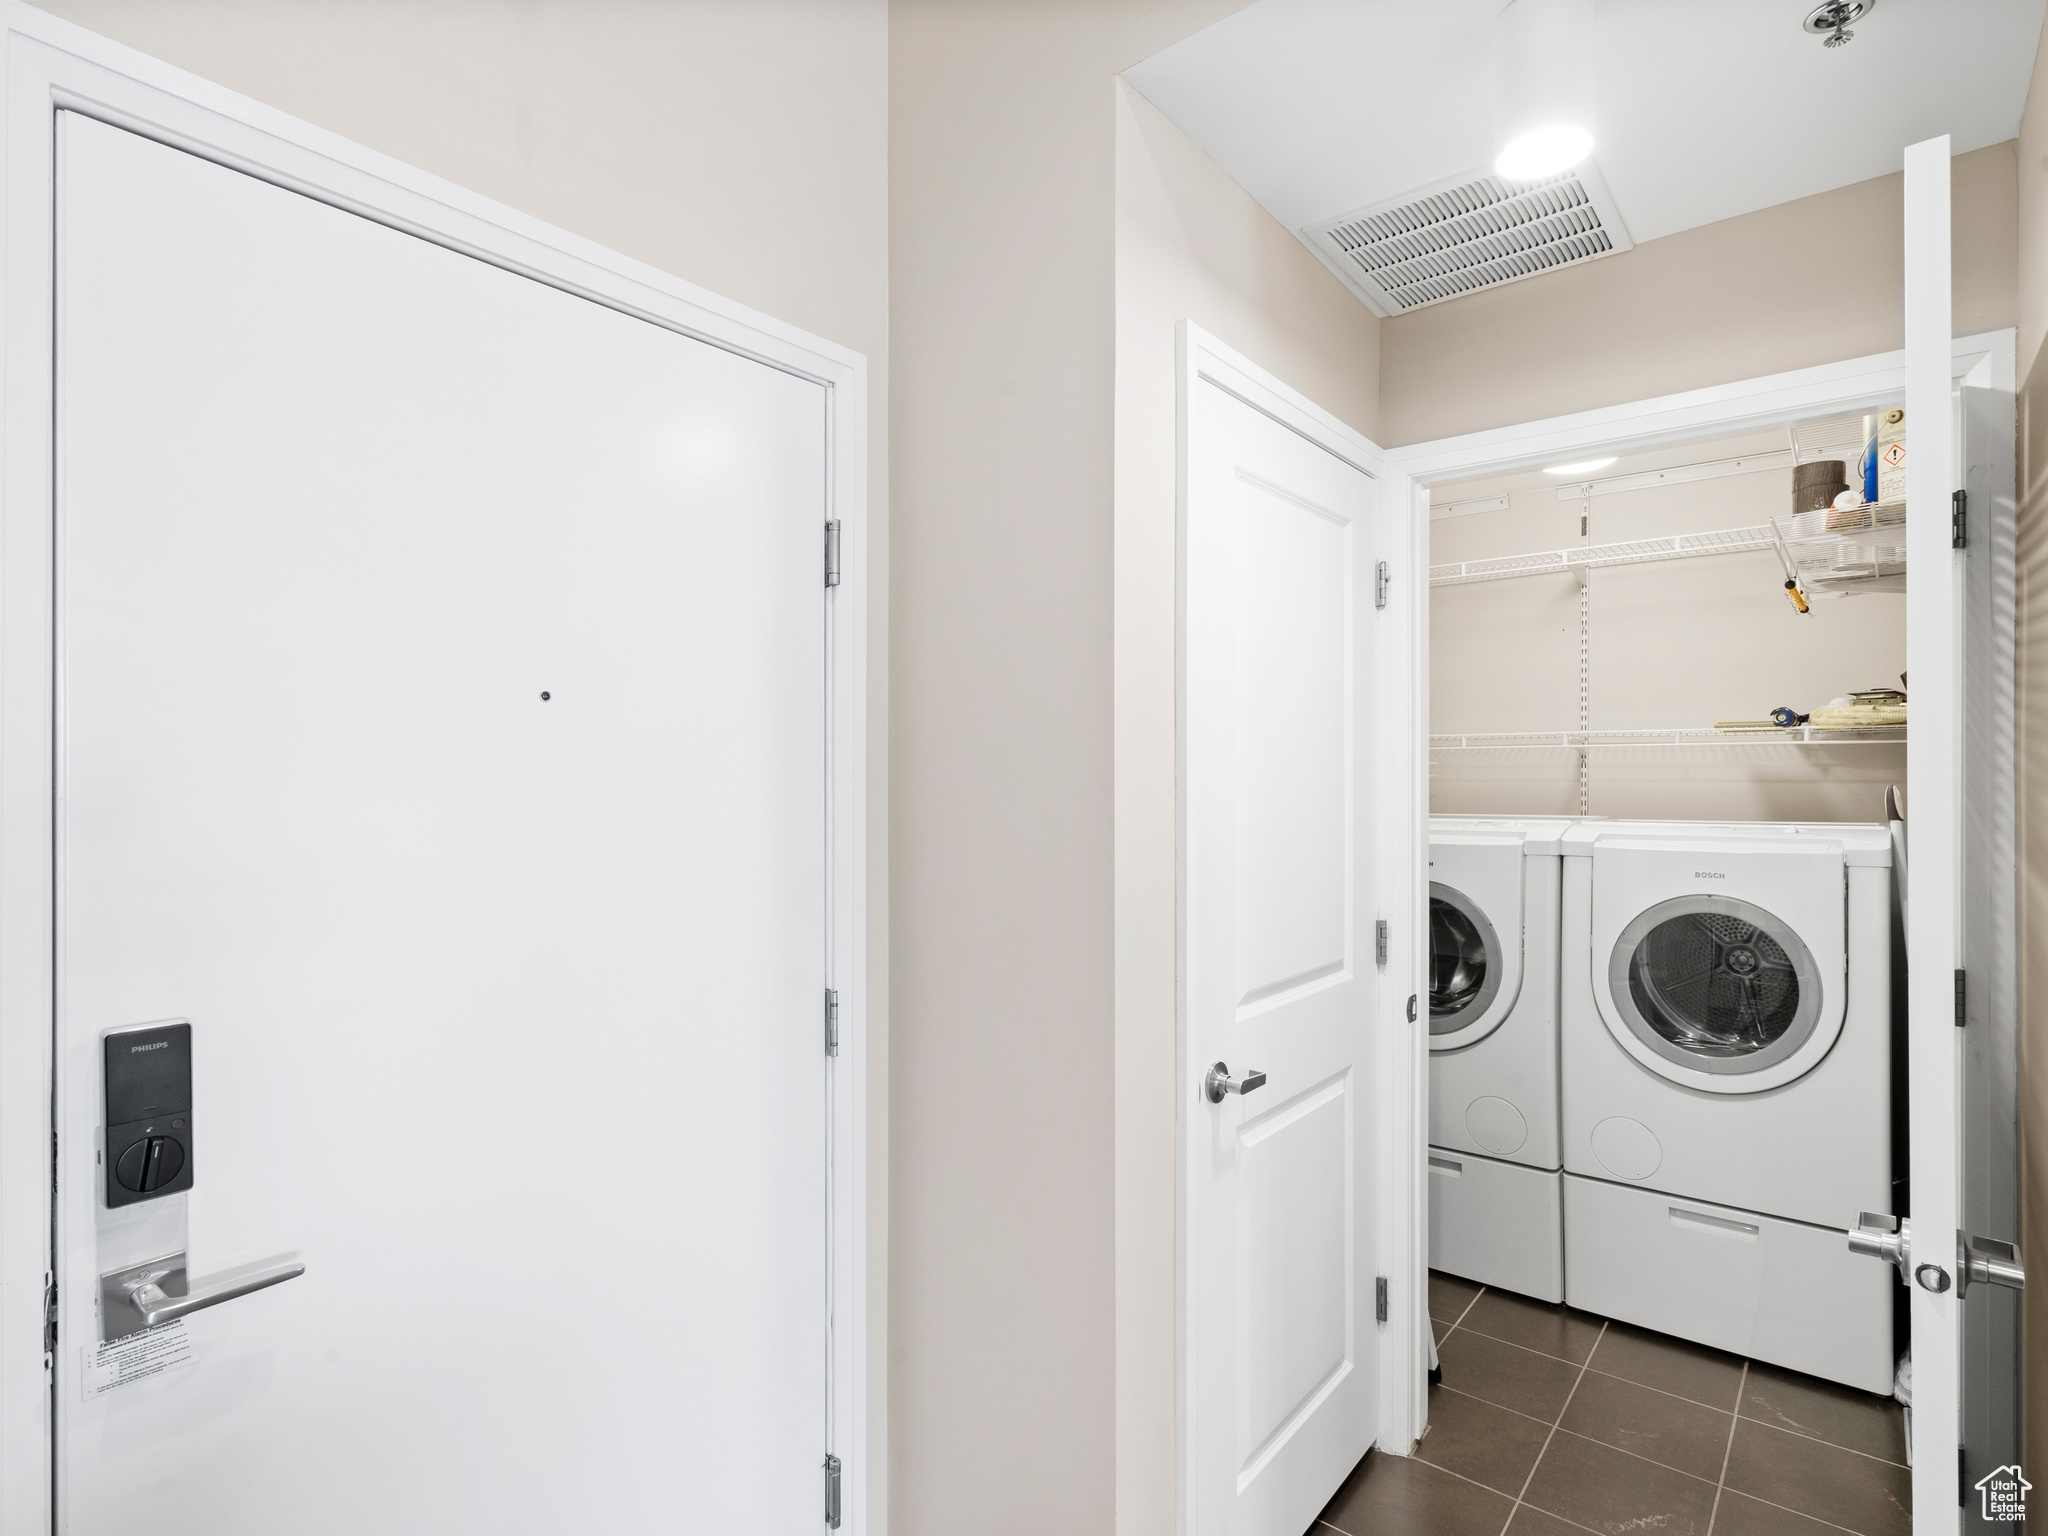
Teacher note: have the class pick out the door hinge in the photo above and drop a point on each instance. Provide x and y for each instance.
(1961, 997)
(831, 1022)
(50, 1318)
(832, 1492)
(1959, 521)
(1962, 1478)
(1379, 1298)
(1380, 578)
(1379, 943)
(1411, 1007)
(832, 553)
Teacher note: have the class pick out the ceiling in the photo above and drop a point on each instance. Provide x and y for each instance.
(1705, 110)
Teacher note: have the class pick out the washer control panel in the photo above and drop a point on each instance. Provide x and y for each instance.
(148, 1112)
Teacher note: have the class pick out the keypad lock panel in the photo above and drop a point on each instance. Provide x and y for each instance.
(148, 1152)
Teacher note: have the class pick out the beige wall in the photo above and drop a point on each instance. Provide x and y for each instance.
(741, 147)
(2033, 742)
(1806, 282)
(1190, 243)
(1680, 643)
(1005, 172)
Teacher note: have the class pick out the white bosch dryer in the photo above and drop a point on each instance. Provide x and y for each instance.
(1495, 1187)
(1726, 1019)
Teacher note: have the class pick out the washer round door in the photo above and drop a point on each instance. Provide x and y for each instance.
(1465, 969)
(1719, 986)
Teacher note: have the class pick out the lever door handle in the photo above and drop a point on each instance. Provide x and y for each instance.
(1882, 1237)
(1220, 1083)
(1890, 1238)
(157, 1307)
(134, 1299)
(1986, 1261)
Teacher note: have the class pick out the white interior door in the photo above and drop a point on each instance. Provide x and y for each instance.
(1936, 819)
(1987, 1088)
(441, 734)
(1279, 762)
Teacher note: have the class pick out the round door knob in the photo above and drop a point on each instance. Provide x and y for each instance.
(149, 1164)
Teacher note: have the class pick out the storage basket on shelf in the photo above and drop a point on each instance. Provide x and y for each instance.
(1843, 551)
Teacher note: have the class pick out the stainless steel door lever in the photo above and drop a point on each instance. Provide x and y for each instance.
(1986, 1261)
(1219, 1083)
(147, 1294)
(1883, 1237)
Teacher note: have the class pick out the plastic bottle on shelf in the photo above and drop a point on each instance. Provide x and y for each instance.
(1891, 457)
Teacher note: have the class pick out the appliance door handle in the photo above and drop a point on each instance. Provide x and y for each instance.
(158, 1307)
(1682, 1217)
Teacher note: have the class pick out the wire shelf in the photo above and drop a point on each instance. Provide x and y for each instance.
(1687, 736)
(1588, 557)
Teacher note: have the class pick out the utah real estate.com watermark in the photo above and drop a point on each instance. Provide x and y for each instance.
(2005, 1493)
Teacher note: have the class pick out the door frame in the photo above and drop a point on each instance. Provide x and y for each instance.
(1987, 363)
(50, 65)
(1400, 817)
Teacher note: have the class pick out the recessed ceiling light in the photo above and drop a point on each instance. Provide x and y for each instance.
(1583, 467)
(1544, 152)
(1543, 100)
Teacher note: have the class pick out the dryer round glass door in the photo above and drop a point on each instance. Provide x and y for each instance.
(1465, 964)
(1715, 984)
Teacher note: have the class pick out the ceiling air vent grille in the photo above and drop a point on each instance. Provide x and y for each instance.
(1474, 231)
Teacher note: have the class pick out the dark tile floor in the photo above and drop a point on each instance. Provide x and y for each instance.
(1551, 1421)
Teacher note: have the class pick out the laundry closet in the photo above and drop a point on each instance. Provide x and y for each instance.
(1668, 715)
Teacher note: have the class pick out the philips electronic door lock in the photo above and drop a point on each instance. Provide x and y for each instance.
(148, 1112)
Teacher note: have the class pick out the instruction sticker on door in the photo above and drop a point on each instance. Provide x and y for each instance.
(140, 1356)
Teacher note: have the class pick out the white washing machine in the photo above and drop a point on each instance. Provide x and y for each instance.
(1495, 1186)
(1725, 1005)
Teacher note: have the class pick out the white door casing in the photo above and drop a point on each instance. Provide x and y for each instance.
(53, 65)
(1978, 370)
(1282, 809)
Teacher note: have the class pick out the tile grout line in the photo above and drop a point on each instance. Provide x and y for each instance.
(1682, 1398)
(1833, 1445)
(1474, 1397)
(1605, 1445)
(1437, 1344)
(1721, 1483)
(1622, 1450)
(1474, 1482)
(1459, 1322)
(1736, 1416)
(1562, 1409)
(1757, 1498)
(1678, 1396)
(1489, 1488)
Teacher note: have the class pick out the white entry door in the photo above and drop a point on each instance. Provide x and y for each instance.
(1279, 991)
(441, 739)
